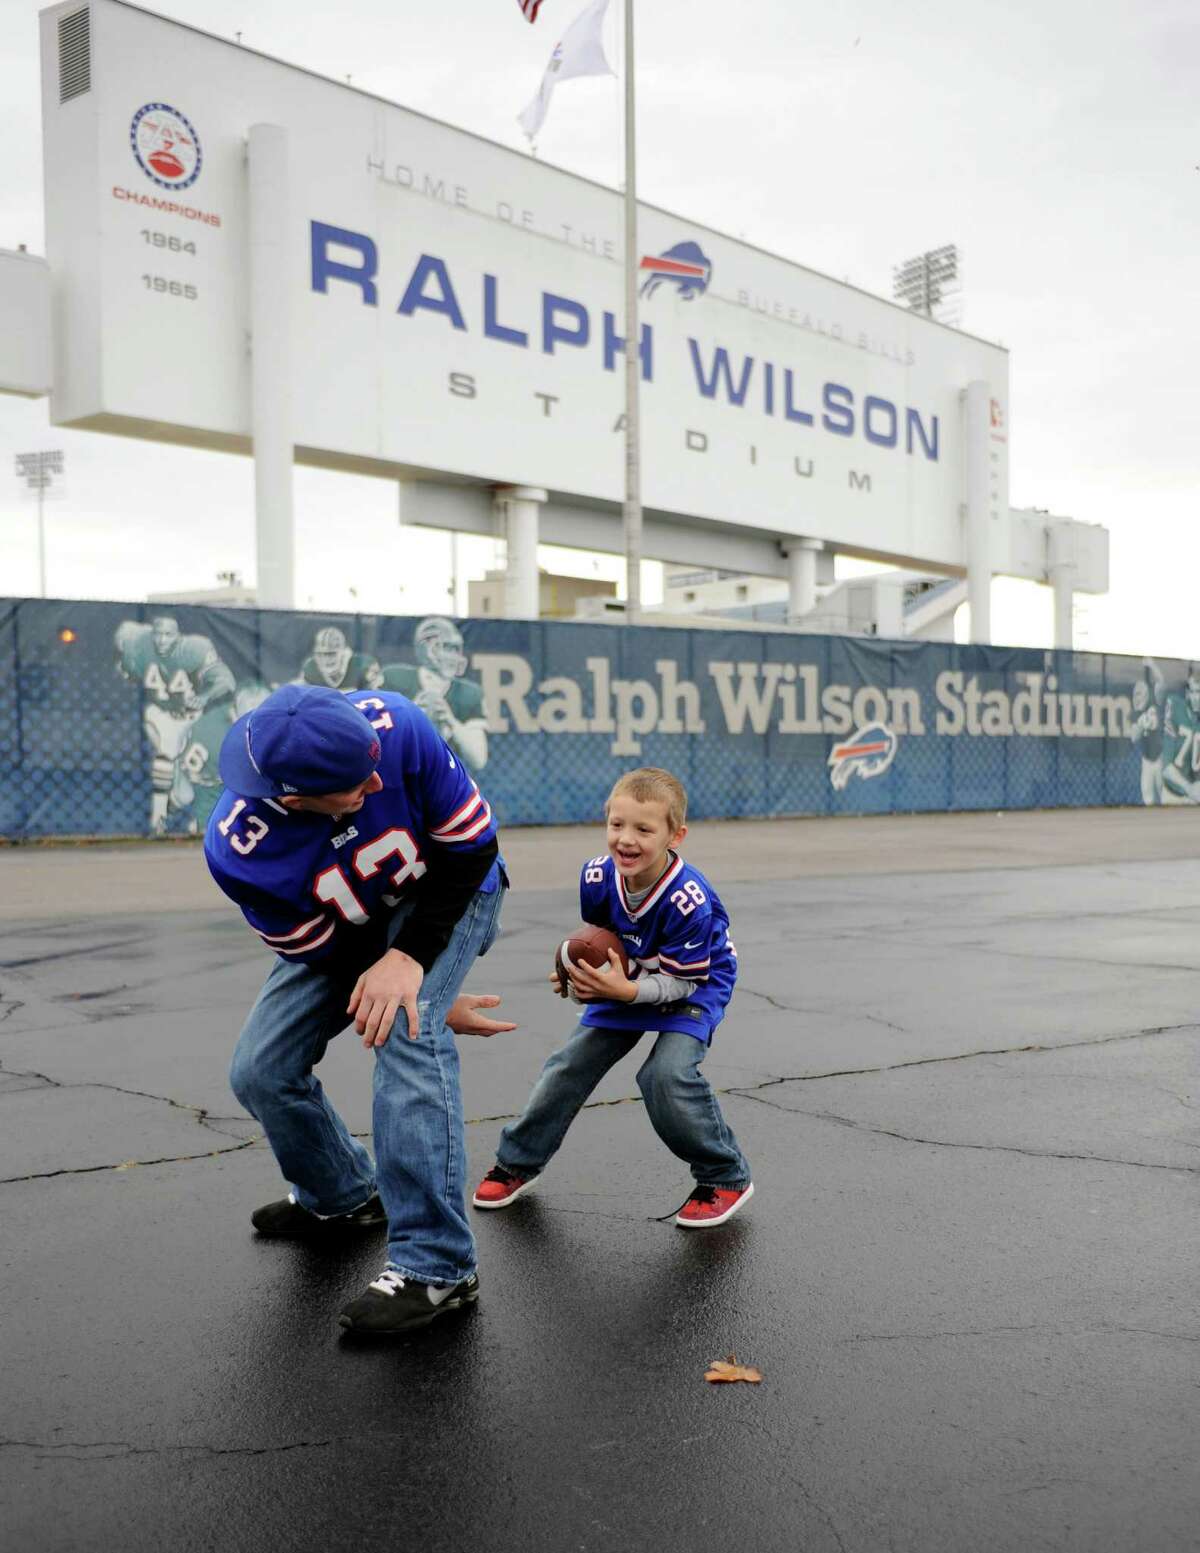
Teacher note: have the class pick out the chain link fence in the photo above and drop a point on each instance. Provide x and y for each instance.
(111, 715)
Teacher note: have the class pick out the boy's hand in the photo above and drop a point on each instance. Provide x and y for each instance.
(564, 989)
(590, 983)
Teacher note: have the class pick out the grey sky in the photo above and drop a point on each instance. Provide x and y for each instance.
(1054, 140)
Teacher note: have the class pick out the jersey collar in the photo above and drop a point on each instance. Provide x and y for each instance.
(674, 864)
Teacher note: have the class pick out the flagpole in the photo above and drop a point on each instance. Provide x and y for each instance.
(632, 514)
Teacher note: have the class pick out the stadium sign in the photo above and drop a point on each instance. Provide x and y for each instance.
(454, 311)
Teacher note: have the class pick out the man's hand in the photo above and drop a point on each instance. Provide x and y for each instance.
(590, 983)
(464, 1017)
(379, 994)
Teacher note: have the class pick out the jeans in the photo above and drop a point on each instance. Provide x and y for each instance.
(679, 1101)
(420, 1145)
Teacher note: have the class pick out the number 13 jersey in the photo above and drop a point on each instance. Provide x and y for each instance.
(680, 928)
(309, 883)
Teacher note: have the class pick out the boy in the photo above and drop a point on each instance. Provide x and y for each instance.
(676, 934)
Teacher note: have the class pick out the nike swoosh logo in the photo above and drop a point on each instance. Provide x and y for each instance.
(696, 945)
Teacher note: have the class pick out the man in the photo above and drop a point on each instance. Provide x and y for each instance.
(1146, 734)
(366, 858)
(332, 663)
(453, 704)
(181, 678)
(1181, 741)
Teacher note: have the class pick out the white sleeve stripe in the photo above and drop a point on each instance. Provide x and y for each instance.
(304, 948)
(686, 965)
(299, 932)
(460, 816)
(470, 831)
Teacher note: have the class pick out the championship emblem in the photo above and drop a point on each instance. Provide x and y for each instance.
(868, 754)
(685, 267)
(165, 146)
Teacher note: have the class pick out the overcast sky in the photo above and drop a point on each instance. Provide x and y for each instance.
(1055, 141)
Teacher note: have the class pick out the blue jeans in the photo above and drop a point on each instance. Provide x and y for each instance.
(679, 1101)
(420, 1145)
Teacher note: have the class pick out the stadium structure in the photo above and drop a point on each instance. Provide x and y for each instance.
(337, 280)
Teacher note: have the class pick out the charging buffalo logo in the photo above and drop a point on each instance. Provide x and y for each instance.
(868, 754)
(165, 146)
(685, 267)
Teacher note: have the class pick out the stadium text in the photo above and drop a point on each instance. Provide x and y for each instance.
(783, 698)
(342, 257)
(166, 207)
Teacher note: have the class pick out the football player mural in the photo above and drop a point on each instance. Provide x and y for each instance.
(332, 663)
(436, 683)
(1146, 730)
(1181, 741)
(183, 682)
(198, 765)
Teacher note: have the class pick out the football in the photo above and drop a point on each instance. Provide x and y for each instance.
(589, 945)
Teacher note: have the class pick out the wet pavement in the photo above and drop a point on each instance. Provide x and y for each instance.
(968, 1275)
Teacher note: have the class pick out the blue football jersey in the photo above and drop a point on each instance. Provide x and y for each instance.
(680, 929)
(305, 882)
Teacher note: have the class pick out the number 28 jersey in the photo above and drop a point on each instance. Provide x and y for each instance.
(308, 883)
(681, 929)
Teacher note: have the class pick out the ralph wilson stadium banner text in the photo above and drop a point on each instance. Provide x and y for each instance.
(111, 715)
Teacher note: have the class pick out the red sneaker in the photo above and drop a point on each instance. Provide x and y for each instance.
(501, 1187)
(709, 1206)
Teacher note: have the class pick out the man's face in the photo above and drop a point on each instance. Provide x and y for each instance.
(442, 650)
(165, 634)
(349, 802)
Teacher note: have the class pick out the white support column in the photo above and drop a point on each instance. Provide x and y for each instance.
(802, 575)
(271, 245)
(1062, 572)
(977, 514)
(1064, 606)
(517, 508)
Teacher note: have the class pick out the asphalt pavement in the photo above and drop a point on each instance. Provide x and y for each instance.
(962, 1062)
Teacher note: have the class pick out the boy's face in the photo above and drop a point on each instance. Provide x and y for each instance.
(639, 834)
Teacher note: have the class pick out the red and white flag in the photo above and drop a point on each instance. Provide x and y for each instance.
(530, 9)
(579, 52)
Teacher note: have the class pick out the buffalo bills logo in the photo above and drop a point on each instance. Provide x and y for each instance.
(868, 754)
(685, 267)
(373, 750)
(165, 146)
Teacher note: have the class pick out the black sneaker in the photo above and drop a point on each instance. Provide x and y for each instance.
(394, 1304)
(287, 1218)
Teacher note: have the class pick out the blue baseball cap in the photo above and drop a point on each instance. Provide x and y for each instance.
(304, 739)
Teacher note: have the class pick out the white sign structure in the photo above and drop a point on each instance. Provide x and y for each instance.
(385, 293)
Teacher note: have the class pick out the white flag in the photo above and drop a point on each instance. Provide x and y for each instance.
(581, 52)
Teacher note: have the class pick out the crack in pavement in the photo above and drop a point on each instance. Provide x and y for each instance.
(743, 1091)
(129, 1164)
(200, 1113)
(988, 1051)
(118, 1450)
(787, 1447)
(926, 1337)
(72, 952)
(944, 1143)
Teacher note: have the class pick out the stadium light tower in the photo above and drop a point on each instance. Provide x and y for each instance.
(931, 284)
(38, 471)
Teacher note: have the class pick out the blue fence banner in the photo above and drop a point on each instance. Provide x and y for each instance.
(111, 715)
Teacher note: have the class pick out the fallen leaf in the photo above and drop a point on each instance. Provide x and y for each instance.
(729, 1369)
